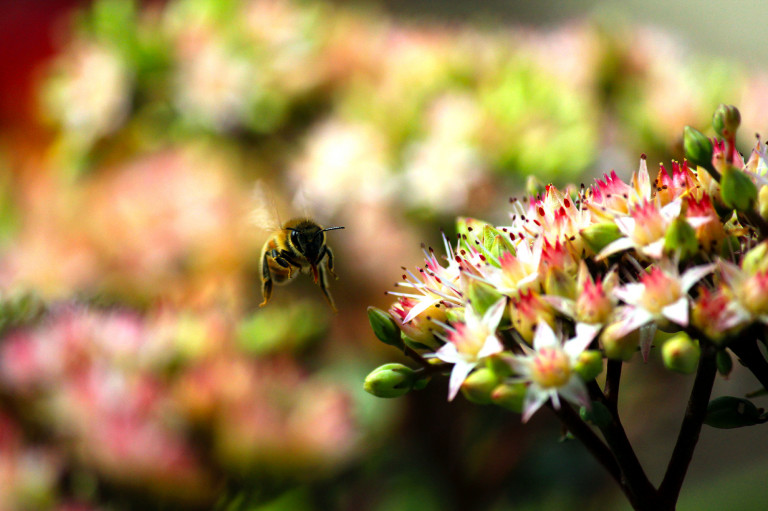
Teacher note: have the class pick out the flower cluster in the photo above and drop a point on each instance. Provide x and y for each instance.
(165, 404)
(423, 115)
(529, 308)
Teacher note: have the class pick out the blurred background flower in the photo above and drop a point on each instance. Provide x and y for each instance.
(136, 370)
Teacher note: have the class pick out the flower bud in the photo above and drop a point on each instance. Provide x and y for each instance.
(724, 363)
(681, 353)
(478, 386)
(681, 238)
(726, 121)
(756, 260)
(390, 380)
(526, 311)
(500, 246)
(736, 189)
(598, 236)
(384, 327)
(534, 187)
(698, 148)
(423, 327)
(559, 283)
(727, 412)
(589, 364)
(762, 202)
(481, 296)
(419, 346)
(510, 396)
(619, 347)
(500, 365)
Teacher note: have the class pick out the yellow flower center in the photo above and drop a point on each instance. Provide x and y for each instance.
(660, 291)
(551, 368)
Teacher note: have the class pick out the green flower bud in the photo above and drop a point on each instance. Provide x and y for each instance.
(681, 353)
(473, 229)
(419, 346)
(589, 364)
(726, 121)
(384, 327)
(558, 282)
(724, 363)
(481, 295)
(390, 380)
(499, 366)
(534, 187)
(681, 238)
(597, 236)
(736, 189)
(727, 412)
(756, 260)
(501, 245)
(510, 396)
(698, 148)
(619, 347)
(478, 386)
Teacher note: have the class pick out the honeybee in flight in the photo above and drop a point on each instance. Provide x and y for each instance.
(298, 247)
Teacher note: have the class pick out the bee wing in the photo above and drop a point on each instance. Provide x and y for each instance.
(264, 212)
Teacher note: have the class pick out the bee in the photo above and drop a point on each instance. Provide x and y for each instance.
(298, 247)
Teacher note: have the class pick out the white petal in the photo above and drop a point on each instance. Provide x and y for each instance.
(533, 401)
(730, 273)
(494, 313)
(626, 224)
(677, 312)
(561, 305)
(694, 275)
(459, 373)
(584, 335)
(634, 318)
(616, 246)
(491, 346)
(544, 336)
(672, 210)
(698, 221)
(630, 293)
(449, 353)
(419, 308)
(655, 249)
(643, 180)
(575, 391)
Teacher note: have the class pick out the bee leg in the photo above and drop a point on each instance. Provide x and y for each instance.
(266, 281)
(329, 262)
(324, 269)
(282, 258)
(285, 260)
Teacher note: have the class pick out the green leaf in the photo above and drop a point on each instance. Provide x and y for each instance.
(727, 412)
(599, 415)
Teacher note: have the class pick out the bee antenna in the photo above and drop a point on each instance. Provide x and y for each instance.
(326, 229)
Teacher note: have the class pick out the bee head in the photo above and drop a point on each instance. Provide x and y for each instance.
(309, 239)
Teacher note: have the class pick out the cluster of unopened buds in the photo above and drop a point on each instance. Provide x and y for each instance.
(533, 312)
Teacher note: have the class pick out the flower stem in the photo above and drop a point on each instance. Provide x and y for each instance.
(591, 441)
(636, 485)
(750, 355)
(669, 490)
(612, 382)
